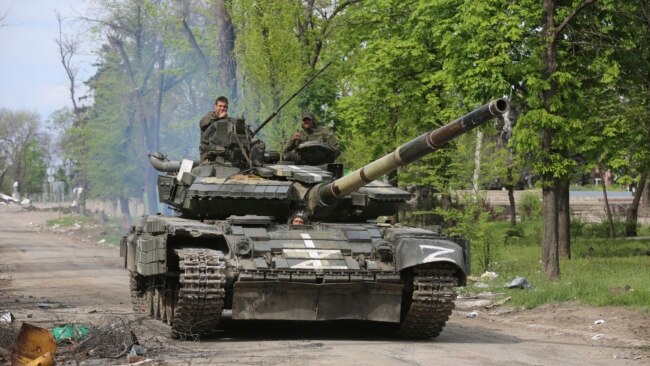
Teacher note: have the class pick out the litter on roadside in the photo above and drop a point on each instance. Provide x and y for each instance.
(518, 282)
(7, 317)
(600, 321)
(597, 337)
(487, 276)
(70, 332)
(34, 346)
(473, 314)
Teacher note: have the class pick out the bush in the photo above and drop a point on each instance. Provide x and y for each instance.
(530, 207)
(601, 229)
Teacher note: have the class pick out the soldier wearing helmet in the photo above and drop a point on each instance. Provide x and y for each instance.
(311, 134)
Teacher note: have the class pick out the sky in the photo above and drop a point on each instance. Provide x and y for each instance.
(31, 75)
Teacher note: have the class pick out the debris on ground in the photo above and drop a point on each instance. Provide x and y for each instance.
(34, 346)
(485, 300)
(518, 282)
(7, 317)
(487, 276)
(136, 354)
(48, 305)
(629, 356)
(600, 321)
(499, 302)
(7, 199)
(473, 314)
(70, 332)
(597, 337)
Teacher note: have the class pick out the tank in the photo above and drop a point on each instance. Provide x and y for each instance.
(290, 242)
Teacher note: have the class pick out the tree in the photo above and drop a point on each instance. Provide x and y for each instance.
(21, 156)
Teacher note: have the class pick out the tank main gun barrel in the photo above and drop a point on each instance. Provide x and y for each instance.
(407, 153)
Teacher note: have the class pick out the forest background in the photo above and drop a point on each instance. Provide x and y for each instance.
(576, 73)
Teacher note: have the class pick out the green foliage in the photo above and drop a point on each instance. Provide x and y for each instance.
(70, 221)
(620, 266)
(105, 141)
(22, 152)
(472, 222)
(597, 229)
(36, 169)
(529, 206)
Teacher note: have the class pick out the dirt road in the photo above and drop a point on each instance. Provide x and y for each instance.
(49, 277)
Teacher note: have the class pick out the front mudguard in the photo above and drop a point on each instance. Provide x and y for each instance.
(411, 252)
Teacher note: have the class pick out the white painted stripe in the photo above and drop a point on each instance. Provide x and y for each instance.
(308, 242)
(312, 253)
(313, 263)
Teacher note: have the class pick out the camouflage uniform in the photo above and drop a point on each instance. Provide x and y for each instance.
(206, 121)
(320, 134)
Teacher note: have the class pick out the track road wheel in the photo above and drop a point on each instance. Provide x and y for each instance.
(201, 293)
(430, 302)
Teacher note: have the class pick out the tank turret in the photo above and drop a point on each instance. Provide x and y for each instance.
(279, 241)
(217, 190)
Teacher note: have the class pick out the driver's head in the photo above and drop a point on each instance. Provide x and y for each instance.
(308, 120)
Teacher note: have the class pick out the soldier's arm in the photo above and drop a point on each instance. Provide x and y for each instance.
(291, 145)
(206, 121)
(333, 143)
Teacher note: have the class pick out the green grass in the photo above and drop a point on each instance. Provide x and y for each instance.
(70, 221)
(109, 231)
(601, 272)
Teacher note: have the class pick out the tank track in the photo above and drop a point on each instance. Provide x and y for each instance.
(140, 297)
(431, 303)
(201, 293)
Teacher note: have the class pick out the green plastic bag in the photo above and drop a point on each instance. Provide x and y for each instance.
(70, 332)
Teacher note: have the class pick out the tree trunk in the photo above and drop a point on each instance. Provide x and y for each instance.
(511, 198)
(550, 258)
(127, 220)
(477, 163)
(550, 34)
(631, 216)
(564, 219)
(225, 45)
(608, 211)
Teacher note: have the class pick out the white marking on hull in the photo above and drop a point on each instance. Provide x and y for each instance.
(438, 251)
(312, 253)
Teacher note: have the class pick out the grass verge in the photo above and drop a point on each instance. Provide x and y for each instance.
(90, 228)
(601, 272)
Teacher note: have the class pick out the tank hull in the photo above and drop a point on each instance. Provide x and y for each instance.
(186, 272)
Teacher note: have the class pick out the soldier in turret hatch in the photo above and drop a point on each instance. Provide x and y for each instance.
(294, 150)
(227, 140)
(220, 112)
